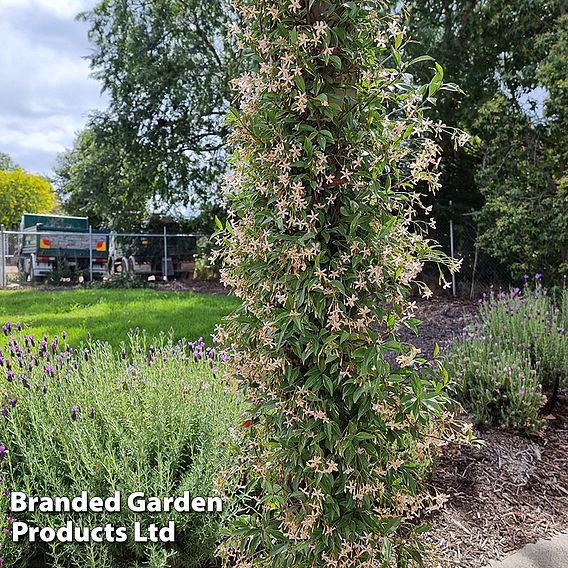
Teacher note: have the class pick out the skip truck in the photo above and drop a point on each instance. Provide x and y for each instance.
(54, 242)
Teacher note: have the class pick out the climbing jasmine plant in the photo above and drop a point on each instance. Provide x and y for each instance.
(332, 151)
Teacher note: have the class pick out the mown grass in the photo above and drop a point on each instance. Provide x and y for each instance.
(109, 314)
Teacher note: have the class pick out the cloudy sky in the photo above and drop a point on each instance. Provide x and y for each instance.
(45, 89)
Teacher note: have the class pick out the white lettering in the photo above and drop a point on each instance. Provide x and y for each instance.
(138, 535)
(96, 505)
(112, 504)
(214, 501)
(18, 502)
(198, 504)
(136, 503)
(18, 530)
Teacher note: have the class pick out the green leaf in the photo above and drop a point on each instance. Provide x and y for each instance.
(420, 59)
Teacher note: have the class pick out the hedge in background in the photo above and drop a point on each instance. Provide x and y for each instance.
(331, 144)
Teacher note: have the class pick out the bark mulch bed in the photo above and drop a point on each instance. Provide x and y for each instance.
(508, 493)
(443, 321)
(212, 287)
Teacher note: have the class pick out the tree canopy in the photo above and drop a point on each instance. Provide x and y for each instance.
(21, 192)
(97, 178)
(6, 162)
(510, 59)
(166, 66)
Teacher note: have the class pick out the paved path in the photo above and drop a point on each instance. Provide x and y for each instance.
(551, 553)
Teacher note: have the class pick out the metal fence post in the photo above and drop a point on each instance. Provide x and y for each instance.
(165, 255)
(3, 280)
(454, 291)
(474, 271)
(90, 253)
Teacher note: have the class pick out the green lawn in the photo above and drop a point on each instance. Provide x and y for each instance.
(109, 314)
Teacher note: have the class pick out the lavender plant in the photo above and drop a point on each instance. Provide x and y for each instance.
(333, 152)
(152, 417)
(513, 360)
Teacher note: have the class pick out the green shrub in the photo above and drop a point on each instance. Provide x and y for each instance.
(63, 273)
(124, 281)
(498, 386)
(510, 365)
(150, 418)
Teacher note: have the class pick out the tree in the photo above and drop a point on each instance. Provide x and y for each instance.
(166, 66)
(96, 179)
(524, 221)
(21, 192)
(553, 78)
(6, 162)
(332, 151)
(497, 52)
(523, 177)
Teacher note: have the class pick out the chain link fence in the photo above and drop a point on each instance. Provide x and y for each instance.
(35, 255)
(457, 233)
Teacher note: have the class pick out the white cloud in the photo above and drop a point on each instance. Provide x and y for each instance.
(61, 8)
(45, 89)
